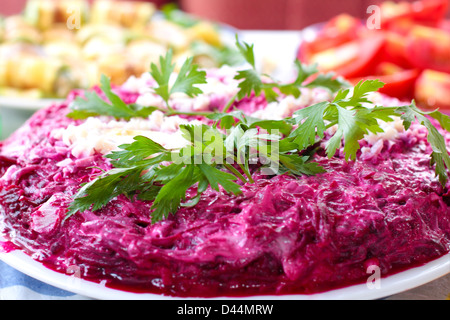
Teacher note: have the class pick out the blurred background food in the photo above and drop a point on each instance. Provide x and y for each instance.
(250, 14)
(51, 47)
(43, 53)
(409, 50)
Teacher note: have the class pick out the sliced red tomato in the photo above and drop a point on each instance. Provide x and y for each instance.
(394, 11)
(427, 12)
(401, 26)
(414, 37)
(339, 30)
(394, 50)
(399, 82)
(432, 88)
(356, 58)
(429, 48)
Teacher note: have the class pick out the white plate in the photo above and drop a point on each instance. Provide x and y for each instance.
(27, 104)
(388, 286)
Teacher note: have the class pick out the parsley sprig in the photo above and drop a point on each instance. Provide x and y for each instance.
(94, 105)
(440, 156)
(186, 81)
(253, 83)
(141, 170)
(347, 112)
(188, 77)
(225, 155)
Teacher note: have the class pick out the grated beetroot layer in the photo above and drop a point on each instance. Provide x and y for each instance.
(283, 235)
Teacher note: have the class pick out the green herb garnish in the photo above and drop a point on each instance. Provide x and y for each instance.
(440, 156)
(346, 111)
(94, 105)
(188, 77)
(139, 172)
(252, 82)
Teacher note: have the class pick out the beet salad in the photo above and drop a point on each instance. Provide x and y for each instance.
(81, 186)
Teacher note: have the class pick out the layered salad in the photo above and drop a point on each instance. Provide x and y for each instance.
(222, 182)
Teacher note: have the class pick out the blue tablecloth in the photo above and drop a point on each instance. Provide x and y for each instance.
(15, 285)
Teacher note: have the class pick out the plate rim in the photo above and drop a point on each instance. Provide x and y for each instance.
(27, 104)
(389, 285)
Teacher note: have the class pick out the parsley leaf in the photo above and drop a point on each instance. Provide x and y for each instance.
(218, 177)
(99, 192)
(347, 112)
(311, 123)
(172, 13)
(138, 152)
(247, 51)
(139, 173)
(307, 77)
(162, 75)
(354, 121)
(187, 78)
(350, 130)
(231, 119)
(94, 105)
(440, 156)
(173, 193)
(359, 95)
(251, 83)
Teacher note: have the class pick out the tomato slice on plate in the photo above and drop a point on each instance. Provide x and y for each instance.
(428, 12)
(339, 30)
(429, 48)
(399, 83)
(432, 88)
(395, 50)
(356, 58)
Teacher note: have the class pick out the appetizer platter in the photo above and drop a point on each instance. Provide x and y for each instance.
(408, 48)
(54, 47)
(222, 182)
